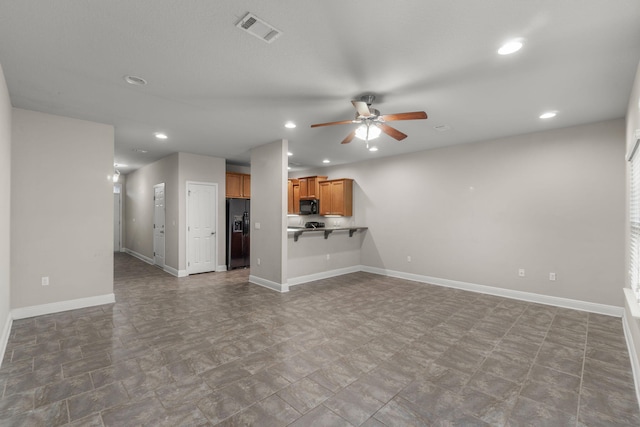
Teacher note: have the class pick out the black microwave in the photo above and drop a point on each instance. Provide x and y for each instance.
(309, 207)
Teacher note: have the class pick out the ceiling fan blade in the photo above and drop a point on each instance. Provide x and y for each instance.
(342, 122)
(362, 108)
(404, 116)
(349, 138)
(392, 132)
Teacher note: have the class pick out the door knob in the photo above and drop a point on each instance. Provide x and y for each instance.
(213, 232)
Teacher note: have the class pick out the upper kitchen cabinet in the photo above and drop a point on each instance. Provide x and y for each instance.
(293, 203)
(336, 197)
(238, 185)
(309, 187)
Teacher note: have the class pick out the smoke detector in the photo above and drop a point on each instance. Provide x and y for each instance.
(258, 28)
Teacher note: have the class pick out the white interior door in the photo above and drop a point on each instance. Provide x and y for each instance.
(201, 227)
(116, 219)
(158, 224)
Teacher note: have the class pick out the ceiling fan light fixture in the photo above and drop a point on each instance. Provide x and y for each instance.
(373, 132)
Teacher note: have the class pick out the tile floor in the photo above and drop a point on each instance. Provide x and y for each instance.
(359, 349)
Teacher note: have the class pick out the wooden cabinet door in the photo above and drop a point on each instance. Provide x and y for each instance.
(304, 187)
(234, 185)
(337, 198)
(325, 198)
(246, 186)
(312, 188)
(296, 198)
(289, 196)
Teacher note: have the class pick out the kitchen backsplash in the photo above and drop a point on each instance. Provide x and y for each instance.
(299, 220)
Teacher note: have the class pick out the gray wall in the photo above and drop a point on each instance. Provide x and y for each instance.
(550, 201)
(269, 208)
(193, 167)
(5, 209)
(59, 230)
(633, 123)
(139, 208)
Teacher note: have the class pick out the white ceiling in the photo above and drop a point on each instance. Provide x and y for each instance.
(216, 90)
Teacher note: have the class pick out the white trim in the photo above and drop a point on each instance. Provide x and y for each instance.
(174, 272)
(324, 275)
(284, 287)
(119, 185)
(633, 150)
(222, 267)
(631, 346)
(56, 307)
(609, 310)
(4, 338)
(632, 303)
(186, 228)
(139, 256)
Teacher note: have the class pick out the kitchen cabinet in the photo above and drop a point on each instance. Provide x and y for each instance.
(293, 192)
(310, 187)
(238, 185)
(336, 197)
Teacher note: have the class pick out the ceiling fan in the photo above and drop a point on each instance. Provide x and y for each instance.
(373, 122)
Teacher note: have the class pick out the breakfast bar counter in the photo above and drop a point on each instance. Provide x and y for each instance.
(297, 231)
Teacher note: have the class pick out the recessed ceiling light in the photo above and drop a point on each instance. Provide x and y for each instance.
(288, 167)
(326, 161)
(289, 153)
(548, 114)
(161, 135)
(373, 148)
(510, 47)
(135, 80)
(140, 150)
(290, 125)
(442, 128)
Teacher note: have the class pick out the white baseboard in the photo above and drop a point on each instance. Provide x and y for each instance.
(635, 358)
(324, 275)
(284, 287)
(56, 307)
(139, 256)
(4, 338)
(174, 272)
(222, 267)
(609, 310)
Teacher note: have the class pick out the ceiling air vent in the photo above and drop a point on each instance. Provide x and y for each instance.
(258, 28)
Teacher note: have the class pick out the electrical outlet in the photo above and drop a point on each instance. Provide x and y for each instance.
(552, 277)
(45, 281)
(258, 261)
(408, 258)
(521, 272)
(257, 226)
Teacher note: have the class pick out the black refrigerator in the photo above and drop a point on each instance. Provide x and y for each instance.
(238, 226)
